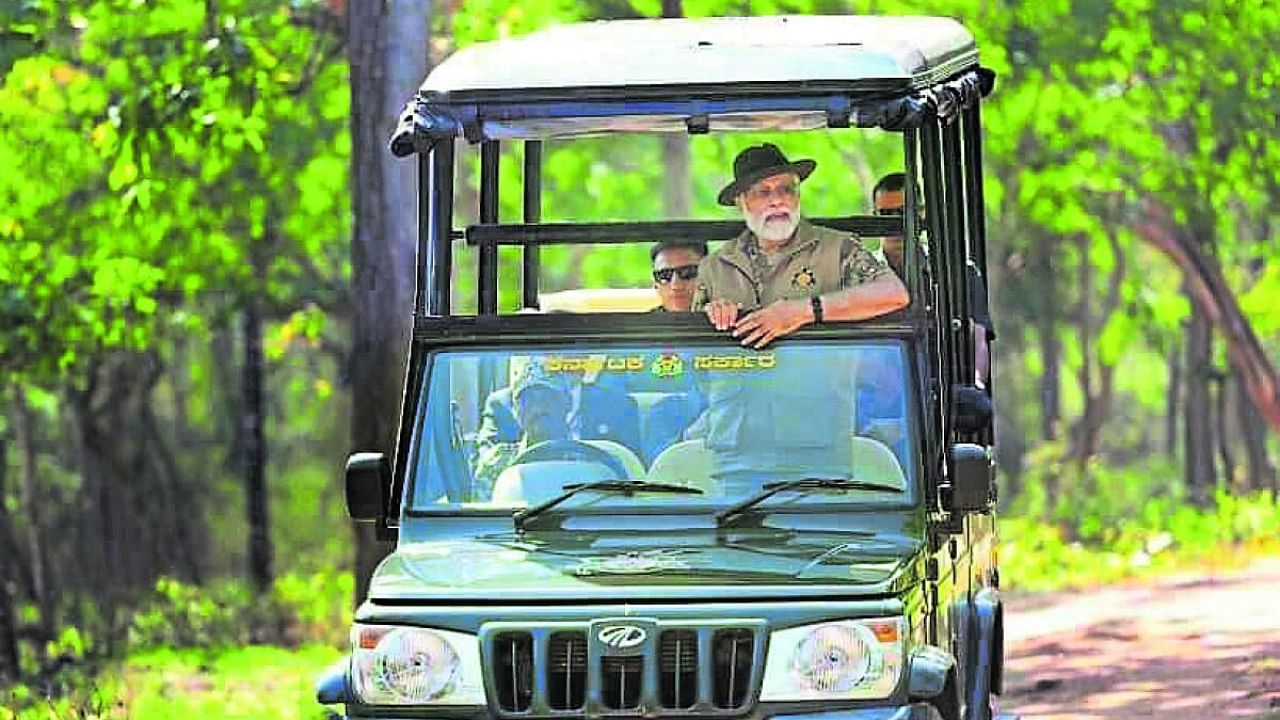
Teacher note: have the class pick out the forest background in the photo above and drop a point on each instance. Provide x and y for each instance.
(182, 321)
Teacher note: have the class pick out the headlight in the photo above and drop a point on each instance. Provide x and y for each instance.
(844, 660)
(414, 666)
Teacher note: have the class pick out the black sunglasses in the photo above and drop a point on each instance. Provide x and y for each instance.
(684, 272)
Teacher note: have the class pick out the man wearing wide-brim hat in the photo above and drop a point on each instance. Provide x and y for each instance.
(782, 272)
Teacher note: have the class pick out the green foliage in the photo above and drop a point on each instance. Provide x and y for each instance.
(80, 695)
(318, 605)
(1071, 528)
(173, 162)
(183, 616)
(313, 608)
(162, 147)
(247, 682)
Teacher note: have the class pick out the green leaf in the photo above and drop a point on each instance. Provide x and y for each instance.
(123, 171)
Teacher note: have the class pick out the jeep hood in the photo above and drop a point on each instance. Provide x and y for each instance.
(752, 563)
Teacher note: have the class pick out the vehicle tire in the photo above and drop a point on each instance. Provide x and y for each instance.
(948, 701)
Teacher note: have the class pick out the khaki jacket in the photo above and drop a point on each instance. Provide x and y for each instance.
(817, 261)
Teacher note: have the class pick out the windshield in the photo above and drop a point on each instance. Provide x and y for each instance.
(511, 429)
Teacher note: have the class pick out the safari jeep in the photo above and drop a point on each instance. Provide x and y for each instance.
(822, 547)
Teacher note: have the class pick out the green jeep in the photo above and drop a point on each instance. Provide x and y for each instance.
(804, 531)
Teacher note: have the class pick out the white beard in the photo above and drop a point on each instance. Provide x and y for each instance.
(772, 230)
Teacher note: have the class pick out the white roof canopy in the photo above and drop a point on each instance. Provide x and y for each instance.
(794, 52)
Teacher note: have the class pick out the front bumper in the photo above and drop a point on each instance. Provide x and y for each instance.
(915, 711)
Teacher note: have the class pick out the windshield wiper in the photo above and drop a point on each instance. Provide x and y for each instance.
(604, 486)
(802, 484)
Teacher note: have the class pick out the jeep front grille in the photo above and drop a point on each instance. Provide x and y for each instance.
(733, 649)
(566, 671)
(513, 670)
(674, 668)
(678, 663)
(622, 678)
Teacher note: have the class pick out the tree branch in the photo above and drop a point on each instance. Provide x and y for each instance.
(1209, 291)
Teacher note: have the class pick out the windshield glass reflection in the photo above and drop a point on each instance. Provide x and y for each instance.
(512, 429)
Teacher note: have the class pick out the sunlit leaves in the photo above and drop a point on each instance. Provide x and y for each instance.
(154, 140)
(482, 20)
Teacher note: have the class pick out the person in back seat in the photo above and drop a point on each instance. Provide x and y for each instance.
(675, 273)
(888, 196)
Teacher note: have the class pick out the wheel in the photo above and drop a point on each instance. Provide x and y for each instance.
(948, 701)
(571, 450)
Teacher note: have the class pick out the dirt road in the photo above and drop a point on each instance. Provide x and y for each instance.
(1188, 647)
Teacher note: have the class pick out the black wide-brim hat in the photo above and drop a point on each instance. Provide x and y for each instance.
(757, 163)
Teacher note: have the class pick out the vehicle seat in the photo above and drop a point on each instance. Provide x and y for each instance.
(606, 412)
(873, 461)
(645, 402)
(663, 419)
(687, 462)
(531, 483)
(624, 454)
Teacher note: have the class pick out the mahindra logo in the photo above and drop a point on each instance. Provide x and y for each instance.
(622, 636)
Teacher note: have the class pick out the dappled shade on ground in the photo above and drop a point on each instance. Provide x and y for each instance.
(1200, 647)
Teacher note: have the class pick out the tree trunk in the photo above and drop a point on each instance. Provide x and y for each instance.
(1047, 336)
(1253, 434)
(10, 668)
(226, 410)
(675, 159)
(9, 657)
(180, 381)
(257, 504)
(1173, 402)
(99, 551)
(1197, 411)
(1099, 391)
(1222, 426)
(387, 50)
(1085, 432)
(32, 511)
(179, 531)
(675, 150)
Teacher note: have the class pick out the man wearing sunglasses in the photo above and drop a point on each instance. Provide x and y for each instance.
(675, 273)
(782, 272)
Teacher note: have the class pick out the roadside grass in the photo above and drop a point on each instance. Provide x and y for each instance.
(1165, 538)
(249, 682)
(1075, 525)
(1040, 560)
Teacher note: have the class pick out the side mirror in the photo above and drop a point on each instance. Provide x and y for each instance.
(332, 686)
(971, 409)
(930, 668)
(972, 479)
(368, 484)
